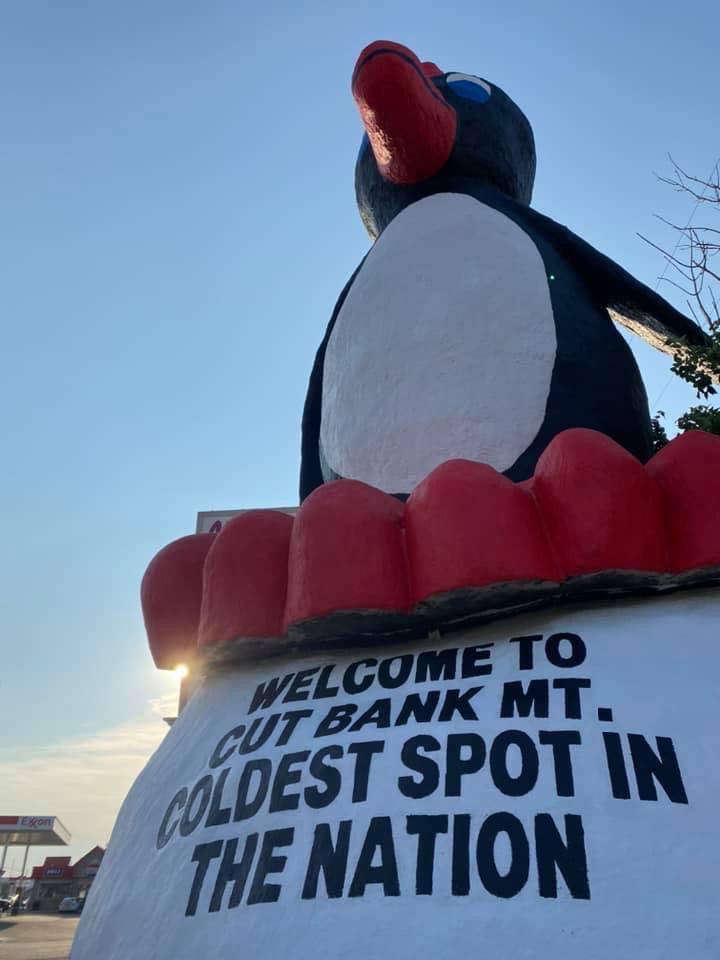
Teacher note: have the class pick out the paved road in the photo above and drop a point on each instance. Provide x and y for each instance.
(33, 936)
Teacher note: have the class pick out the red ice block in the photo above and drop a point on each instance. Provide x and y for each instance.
(346, 553)
(245, 580)
(600, 507)
(687, 471)
(469, 526)
(171, 596)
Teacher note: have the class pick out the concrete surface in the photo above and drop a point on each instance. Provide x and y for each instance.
(36, 936)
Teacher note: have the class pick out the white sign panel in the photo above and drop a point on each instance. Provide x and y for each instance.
(543, 787)
(212, 521)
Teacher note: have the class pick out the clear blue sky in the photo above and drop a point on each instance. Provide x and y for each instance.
(178, 218)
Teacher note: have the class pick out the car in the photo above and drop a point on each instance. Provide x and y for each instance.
(69, 905)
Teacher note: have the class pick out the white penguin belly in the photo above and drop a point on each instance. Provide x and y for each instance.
(444, 347)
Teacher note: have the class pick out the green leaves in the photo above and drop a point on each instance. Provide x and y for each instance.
(700, 367)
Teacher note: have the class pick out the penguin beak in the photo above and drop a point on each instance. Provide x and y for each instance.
(410, 126)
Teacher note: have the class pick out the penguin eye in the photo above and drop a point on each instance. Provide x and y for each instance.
(471, 88)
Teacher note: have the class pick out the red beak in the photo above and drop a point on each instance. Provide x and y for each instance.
(411, 127)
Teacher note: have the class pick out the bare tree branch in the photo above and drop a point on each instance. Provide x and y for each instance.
(692, 256)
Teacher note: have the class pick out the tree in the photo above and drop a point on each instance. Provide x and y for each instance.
(695, 262)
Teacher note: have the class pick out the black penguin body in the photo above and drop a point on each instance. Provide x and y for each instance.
(359, 419)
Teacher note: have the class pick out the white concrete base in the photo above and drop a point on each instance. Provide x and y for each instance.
(525, 864)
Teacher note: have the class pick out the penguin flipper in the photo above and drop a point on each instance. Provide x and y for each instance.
(628, 301)
(310, 469)
(311, 472)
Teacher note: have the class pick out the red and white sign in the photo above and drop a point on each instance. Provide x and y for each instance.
(33, 831)
(27, 823)
(36, 823)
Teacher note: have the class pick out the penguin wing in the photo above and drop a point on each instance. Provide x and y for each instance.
(311, 475)
(628, 301)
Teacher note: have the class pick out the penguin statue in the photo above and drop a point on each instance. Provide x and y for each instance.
(480, 720)
(475, 327)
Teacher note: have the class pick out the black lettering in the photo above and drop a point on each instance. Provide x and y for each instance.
(572, 687)
(266, 725)
(427, 768)
(322, 690)
(517, 701)
(473, 658)
(525, 651)
(616, 766)
(458, 766)
(285, 776)
(336, 720)
(456, 702)
(364, 752)
(219, 815)
(267, 693)
(328, 858)
(166, 830)
(661, 766)
(511, 883)
(575, 657)
(560, 741)
(529, 763)
(378, 714)
(426, 828)
(417, 709)
(436, 664)
(386, 679)
(379, 839)
(351, 684)
(220, 754)
(232, 872)
(461, 855)
(202, 855)
(261, 892)
(330, 776)
(201, 792)
(299, 688)
(553, 853)
(244, 806)
(292, 718)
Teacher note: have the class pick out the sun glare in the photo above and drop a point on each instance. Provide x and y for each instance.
(181, 671)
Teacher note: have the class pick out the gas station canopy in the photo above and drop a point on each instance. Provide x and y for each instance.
(33, 832)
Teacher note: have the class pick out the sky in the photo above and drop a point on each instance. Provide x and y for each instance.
(178, 219)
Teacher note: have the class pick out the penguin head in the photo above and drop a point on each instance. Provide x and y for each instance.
(427, 132)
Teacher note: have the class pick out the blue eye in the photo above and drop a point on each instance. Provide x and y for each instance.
(470, 88)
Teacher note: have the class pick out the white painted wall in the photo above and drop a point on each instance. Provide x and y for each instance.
(651, 864)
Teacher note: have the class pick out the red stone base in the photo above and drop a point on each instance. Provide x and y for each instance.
(468, 545)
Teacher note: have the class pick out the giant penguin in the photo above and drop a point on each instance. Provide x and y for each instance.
(475, 327)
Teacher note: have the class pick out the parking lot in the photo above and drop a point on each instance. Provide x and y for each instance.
(33, 936)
